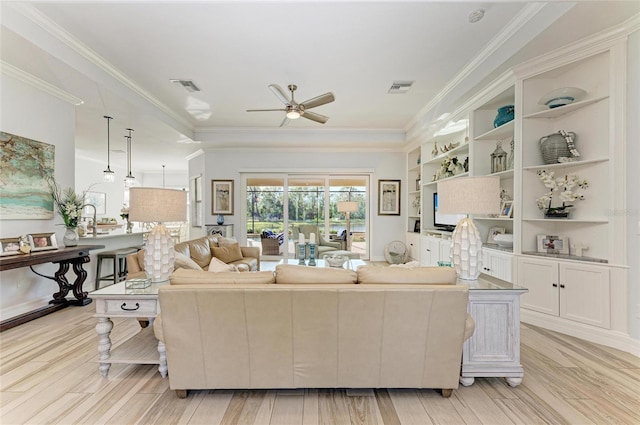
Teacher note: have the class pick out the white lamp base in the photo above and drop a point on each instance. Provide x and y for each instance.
(466, 250)
(159, 256)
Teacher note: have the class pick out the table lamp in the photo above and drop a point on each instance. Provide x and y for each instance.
(470, 195)
(158, 205)
(348, 207)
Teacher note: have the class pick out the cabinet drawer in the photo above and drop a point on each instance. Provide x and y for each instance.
(124, 307)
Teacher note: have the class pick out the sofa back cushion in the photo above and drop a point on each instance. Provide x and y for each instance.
(184, 262)
(417, 275)
(227, 253)
(188, 277)
(292, 274)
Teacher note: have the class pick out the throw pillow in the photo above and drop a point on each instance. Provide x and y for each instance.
(141, 259)
(229, 253)
(218, 266)
(184, 262)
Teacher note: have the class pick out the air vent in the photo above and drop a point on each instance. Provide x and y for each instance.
(400, 87)
(188, 85)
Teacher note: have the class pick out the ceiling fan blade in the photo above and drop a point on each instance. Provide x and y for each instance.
(265, 110)
(317, 101)
(315, 117)
(285, 121)
(280, 94)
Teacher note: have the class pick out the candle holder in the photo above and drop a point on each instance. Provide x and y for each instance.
(312, 254)
(301, 254)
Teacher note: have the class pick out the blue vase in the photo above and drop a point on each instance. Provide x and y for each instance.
(505, 114)
(220, 219)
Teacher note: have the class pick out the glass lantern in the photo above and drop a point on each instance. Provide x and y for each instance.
(498, 159)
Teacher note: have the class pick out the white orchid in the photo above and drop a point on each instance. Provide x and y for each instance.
(564, 185)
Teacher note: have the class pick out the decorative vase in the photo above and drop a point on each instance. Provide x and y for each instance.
(557, 212)
(71, 237)
(505, 114)
(554, 146)
(220, 219)
(129, 226)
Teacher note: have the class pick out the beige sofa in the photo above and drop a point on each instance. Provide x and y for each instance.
(201, 251)
(306, 327)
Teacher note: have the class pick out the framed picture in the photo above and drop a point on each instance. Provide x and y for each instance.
(493, 231)
(9, 246)
(551, 244)
(42, 241)
(506, 210)
(388, 197)
(416, 226)
(222, 197)
(98, 200)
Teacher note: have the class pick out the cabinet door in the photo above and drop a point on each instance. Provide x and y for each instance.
(500, 266)
(445, 251)
(540, 277)
(413, 245)
(429, 251)
(584, 294)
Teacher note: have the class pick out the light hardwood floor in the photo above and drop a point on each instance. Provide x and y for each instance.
(48, 374)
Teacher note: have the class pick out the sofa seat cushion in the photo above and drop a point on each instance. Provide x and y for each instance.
(188, 277)
(417, 275)
(292, 274)
(227, 254)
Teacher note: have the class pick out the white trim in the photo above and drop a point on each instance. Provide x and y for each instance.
(323, 171)
(30, 306)
(35, 82)
(614, 339)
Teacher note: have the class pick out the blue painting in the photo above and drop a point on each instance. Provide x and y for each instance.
(26, 165)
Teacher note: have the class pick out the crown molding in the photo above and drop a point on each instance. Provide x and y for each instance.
(33, 81)
(42, 21)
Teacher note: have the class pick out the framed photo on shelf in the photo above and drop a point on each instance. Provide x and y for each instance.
(42, 241)
(493, 231)
(222, 197)
(388, 197)
(416, 227)
(9, 246)
(506, 210)
(551, 244)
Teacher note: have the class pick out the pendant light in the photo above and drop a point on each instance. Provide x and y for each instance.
(108, 175)
(129, 180)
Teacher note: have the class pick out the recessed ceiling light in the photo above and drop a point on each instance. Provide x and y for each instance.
(476, 15)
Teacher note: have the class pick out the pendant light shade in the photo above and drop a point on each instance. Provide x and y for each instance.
(129, 180)
(108, 175)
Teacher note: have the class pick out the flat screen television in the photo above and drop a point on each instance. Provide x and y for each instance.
(444, 221)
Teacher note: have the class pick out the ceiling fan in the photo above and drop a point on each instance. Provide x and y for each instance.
(295, 110)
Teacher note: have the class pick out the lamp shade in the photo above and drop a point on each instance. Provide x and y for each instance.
(156, 204)
(347, 206)
(469, 195)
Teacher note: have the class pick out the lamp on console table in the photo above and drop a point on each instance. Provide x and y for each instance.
(470, 195)
(348, 207)
(149, 204)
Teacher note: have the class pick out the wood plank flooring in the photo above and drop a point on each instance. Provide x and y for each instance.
(48, 375)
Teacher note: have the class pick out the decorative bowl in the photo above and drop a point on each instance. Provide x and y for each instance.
(561, 97)
(504, 240)
(505, 114)
(336, 261)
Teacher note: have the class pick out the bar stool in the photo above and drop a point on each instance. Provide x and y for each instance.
(119, 259)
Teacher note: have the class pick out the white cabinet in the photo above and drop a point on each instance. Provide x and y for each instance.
(571, 290)
(497, 264)
(413, 245)
(434, 248)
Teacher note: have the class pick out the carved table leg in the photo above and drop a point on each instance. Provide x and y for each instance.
(63, 284)
(514, 382)
(81, 276)
(103, 328)
(467, 380)
(163, 359)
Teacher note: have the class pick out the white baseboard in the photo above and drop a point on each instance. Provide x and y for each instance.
(17, 309)
(614, 339)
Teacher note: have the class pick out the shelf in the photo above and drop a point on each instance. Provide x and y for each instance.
(501, 132)
(503, 174)
(564, 164)
(563, 110)
(565, 257)
(414, 216)
(458, 149)
(413, 192)
(415, 169)
(493, 218)
(141, 348)
(567, 220)
(448, 178)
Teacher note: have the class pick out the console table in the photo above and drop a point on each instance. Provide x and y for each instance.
(65, 257)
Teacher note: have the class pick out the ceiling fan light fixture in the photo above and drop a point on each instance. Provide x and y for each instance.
(293, 115)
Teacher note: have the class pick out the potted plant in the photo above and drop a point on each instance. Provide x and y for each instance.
(564, 188)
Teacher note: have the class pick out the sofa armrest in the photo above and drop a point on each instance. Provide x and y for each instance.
(325, 242)
(469, 327)
(251, 251)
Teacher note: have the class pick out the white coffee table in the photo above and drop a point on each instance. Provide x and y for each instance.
(349, 265)
(143, 347)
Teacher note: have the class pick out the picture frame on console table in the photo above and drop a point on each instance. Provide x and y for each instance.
(551, 244)
(222, 197)
(9, 246)
(42, 241)
(388, 197)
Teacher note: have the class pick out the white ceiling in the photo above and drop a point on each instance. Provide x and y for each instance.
(118, 57)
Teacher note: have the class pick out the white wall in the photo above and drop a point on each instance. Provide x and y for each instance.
(224, 164)
(197, 168)
(89, 176)
(633, 177)
(31, 113)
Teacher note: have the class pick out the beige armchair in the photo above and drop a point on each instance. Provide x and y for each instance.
(323, 246)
